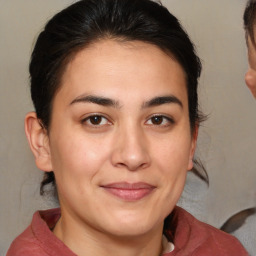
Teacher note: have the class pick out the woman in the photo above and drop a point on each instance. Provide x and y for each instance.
(114, 85)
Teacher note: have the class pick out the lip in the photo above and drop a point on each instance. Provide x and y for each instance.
(129, 191)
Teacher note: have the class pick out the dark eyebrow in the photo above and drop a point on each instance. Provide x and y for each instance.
(96, 100)
(162, 100)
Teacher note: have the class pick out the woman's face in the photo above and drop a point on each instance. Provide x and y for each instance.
(120, 141)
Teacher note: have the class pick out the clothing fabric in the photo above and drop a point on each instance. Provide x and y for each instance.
(193, 237)
(189, 236)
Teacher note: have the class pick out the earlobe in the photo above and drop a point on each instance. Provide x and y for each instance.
(38, 141)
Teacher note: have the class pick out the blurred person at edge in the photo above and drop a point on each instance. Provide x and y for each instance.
(243, 224)
(114, 85)
(250, 35)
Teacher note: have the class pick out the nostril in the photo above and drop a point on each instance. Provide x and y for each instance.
(132, 165)
(129, 162)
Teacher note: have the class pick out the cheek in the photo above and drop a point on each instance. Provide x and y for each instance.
(173, 158)
(173, 166)
(76, 165)
(76, 157)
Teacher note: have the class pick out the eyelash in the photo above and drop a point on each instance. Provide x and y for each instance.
(167, 120)
(161, 121)
(95, 125)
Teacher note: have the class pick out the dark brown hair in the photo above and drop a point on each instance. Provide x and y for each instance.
(87, 21)
(250, 20)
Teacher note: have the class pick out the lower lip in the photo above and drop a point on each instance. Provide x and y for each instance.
(129, 194)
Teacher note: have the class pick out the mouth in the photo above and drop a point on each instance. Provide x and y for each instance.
(129, 191)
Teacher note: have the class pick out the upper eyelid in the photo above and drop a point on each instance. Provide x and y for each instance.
(169, 118)
(162, 115)
(107, 117)
(84, 117)
(87, 118)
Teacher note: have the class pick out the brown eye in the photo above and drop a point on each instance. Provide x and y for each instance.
(157, 120)
(160, 120)
(95, 120)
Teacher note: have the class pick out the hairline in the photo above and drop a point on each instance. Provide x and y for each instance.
(106, 36)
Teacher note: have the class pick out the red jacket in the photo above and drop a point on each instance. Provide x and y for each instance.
(190, 237)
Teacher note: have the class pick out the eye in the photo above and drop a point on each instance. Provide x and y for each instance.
(95, 120)
(160, 120)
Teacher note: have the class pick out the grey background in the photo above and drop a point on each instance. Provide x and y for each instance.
(227, 141)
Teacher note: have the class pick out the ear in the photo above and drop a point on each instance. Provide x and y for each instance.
(193, 147)
(38, 141)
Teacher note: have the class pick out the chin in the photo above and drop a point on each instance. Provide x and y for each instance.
(132, 225)
(131, 231)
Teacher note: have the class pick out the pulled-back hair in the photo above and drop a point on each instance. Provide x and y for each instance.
(250, 20)
(88, 21)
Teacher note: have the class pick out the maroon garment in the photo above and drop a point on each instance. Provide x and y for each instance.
(193, 237)
(190, 237)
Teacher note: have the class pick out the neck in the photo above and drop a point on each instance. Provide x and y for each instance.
(84, 240)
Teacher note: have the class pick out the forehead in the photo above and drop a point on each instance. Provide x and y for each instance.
(109, 66)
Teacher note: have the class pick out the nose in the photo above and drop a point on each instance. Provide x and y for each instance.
(250, 80)
(131, 150)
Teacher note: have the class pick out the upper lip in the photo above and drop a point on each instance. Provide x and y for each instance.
(129, 186)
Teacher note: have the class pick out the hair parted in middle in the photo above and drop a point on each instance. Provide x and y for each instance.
(88, 21)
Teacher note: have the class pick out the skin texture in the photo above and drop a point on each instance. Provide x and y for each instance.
(127, 144)
(250, 76)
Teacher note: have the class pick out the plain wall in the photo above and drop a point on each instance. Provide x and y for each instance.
(227, 140)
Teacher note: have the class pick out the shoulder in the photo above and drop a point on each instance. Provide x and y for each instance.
(25, 245)
(197, 238)
(37, 238)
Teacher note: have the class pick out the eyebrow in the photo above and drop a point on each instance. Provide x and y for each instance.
(162, 100)
(107, 102)
(96, 100)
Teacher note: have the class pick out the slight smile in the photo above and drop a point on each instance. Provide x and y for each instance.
(129, 191)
